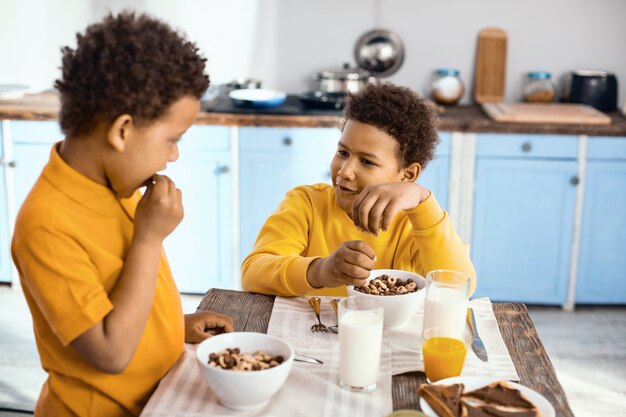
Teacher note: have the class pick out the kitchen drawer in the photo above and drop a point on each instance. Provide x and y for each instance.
(527, 146)
(203, 137)
(602, 147)
(281, 139)
(35, 132)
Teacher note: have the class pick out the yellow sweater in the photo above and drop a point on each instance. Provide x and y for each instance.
(309, 225)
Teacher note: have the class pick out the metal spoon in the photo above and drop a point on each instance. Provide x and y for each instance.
(307, 359)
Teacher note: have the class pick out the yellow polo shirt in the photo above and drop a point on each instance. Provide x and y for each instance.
(309, 225)
(71, 238)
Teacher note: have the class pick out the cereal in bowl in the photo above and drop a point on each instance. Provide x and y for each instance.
(388, 285)
(232, 359)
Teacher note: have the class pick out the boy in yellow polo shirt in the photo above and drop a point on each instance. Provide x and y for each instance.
(88, 246)
(374, 216)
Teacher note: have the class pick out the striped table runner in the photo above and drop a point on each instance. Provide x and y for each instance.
(314, 389)
(310, 390)
(293, 317)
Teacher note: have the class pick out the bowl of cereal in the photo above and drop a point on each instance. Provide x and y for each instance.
(402, 293)
(244, 369)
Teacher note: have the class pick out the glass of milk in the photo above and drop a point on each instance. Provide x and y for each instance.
(446, 302)
(360, 341)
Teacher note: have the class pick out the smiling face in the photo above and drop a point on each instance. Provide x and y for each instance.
(142, 151)
(365, 155)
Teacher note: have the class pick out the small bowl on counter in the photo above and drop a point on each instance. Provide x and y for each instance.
(257, 97)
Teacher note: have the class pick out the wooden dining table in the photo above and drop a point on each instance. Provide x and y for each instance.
(251, 313)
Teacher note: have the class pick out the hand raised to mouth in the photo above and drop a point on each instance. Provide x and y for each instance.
(160, 209)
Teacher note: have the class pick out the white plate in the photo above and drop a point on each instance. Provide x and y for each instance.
(12, 91)
(475, 382)
(257, 97)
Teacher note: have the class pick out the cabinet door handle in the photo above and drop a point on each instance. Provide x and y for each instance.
(10, 164)
(287, 141)
(527, 147)
(574, 180)
(223, 170)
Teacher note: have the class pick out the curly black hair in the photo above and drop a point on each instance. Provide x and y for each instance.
(402, 114)
(126, 64)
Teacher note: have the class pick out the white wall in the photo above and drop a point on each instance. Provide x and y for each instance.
(283, 42)
(31, 35)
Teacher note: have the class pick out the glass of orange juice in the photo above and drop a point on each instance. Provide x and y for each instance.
(444, 356)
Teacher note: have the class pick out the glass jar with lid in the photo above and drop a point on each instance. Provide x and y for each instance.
(538, 88)
(447, 87)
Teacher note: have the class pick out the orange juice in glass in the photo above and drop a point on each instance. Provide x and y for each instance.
(444, 356)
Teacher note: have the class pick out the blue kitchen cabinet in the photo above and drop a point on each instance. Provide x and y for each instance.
(32, 144)
(437, 172)
(272, 162)
(5, 257)
(602, 256)
(199, 250)
(525, 193)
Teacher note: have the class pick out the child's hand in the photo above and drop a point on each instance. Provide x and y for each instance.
(349, 264)
(376, 206)
(204, 324)
(160, 209)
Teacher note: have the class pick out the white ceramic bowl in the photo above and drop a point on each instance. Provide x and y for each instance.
(257, 97)
(398, 308)
(245, 390)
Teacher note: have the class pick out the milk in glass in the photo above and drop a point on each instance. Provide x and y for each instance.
(446, 308)
(446, 302)
(360, 340)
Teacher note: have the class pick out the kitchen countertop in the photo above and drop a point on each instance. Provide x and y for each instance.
(292, 113)
(470, 118)
(473, 119)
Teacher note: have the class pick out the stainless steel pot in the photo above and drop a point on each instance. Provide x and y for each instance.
(379, 51)
(343, 80)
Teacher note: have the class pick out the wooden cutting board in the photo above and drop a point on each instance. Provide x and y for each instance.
(490, 71)
(545, 113)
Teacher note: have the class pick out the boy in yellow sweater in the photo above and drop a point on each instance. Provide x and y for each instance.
(106, 312)
(374, 215)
